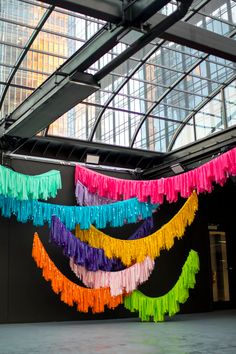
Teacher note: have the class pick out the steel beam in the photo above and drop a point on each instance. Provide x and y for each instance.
(57, 86)
(140, 43)
(74, 150)
(107, 10)
(173, 85)
(182, 33)
(56, 102)
(113, 11)
(49, 98)
(198, 38)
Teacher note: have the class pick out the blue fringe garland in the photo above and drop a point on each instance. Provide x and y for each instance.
(115, 214)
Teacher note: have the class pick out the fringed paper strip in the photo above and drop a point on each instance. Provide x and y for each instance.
(23, 187)
(200, 179)
(158, 307)
(115, 214)
(136, 251)
(84, 255)
(84, 197)
(119, 282)
(143, 230)
(71, 293)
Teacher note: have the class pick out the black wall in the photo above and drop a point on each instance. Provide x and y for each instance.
(26, 297)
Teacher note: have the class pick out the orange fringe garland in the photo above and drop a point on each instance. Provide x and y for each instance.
(71, 293)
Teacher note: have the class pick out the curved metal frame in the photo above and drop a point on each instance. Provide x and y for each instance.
(142, 62)
(204, 57)
(24, 52)
(113, 95)
(171, 88)
(148, 114)
(200, 106)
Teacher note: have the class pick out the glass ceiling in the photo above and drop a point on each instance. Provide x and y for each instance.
(165, 96)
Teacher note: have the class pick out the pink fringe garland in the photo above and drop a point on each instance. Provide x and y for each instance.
(201, 179)
(125, 280)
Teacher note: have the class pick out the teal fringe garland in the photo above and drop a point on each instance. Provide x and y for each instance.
(23, 187)
(115, 214)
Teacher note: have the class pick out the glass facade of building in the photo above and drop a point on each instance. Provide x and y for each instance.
(165, 96)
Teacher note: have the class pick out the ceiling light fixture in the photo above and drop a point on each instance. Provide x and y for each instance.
(177, 168)
(92, 159)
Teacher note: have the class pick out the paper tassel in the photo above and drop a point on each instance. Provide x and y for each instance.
(23, 187)
(84, 255)
(115, 214)
(135, 251)
(200, 179)
(158, 307)
(71, 293)
(119, 282)
(84, 197)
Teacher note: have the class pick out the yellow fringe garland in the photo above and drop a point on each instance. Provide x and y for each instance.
(71, 293)
(130, 251)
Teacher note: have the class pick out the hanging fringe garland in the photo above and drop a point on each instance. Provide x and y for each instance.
(201, 179)
(84, 255)
(158, 307)
(23, 187)
(71, 293)
(84, 197)
(143, 230)
(125, 280)
(136, 251)
(115, 214)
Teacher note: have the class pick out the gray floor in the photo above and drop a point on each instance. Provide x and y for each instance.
(208, 333)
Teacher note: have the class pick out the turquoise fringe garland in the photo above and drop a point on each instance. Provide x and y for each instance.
(23, 187)
(115, 214)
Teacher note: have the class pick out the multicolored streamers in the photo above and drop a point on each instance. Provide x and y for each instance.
(143, 230)
(71, 293)
(137, 250)
(23, 187)
(200, 179)
(91, 258)
(115, 214)
(126, 280)
(100, 262)
(84, 197)
(156, 308)
(84, 255)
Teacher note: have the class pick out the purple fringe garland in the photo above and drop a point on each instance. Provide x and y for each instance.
(89, 257)
(84, 197)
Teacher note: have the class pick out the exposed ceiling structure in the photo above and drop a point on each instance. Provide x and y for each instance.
(139, 75)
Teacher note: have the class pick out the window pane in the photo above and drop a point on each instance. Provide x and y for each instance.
(230, 102)
(155, 134)
(209, 119)
(186, 136)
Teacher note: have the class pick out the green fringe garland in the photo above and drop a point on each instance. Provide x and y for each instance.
(156, 308)
(23, 187)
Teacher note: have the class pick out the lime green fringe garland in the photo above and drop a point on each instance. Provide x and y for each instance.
(156, 308)
(23, 187)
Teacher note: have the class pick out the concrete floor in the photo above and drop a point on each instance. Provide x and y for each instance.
(208, 333)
